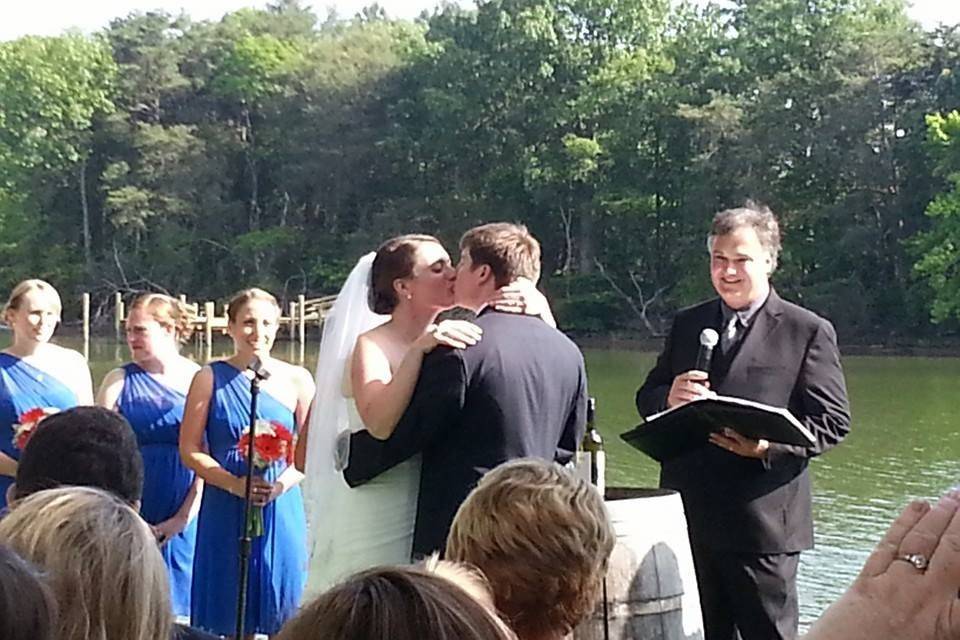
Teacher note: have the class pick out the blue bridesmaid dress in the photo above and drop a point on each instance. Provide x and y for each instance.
(155, 411)
(278, 562)
(24, 387)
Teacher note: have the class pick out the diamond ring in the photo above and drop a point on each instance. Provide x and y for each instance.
(918, 560)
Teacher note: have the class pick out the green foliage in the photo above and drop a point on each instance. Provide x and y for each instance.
(267, 148)
(257, 67)
(939, 265)
(51, 89)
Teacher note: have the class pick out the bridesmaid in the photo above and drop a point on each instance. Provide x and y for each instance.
(217, 413)
(150, 393)
(33, 372)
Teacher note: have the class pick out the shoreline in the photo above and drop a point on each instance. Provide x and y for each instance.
(919, 349)
(947, 348)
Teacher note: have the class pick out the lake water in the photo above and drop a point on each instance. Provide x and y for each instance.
(904, 445)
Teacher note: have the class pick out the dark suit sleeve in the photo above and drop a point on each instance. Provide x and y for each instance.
(435, 406)
(824, 408)
(576, 424)
(652, 395)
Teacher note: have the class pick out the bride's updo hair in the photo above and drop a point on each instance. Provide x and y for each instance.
(394, 261)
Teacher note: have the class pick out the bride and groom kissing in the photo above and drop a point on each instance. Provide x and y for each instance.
(410, 414)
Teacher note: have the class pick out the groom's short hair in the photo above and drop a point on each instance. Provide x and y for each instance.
(542, 537)
(508, 249)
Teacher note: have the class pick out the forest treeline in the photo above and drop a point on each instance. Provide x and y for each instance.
(274, 148)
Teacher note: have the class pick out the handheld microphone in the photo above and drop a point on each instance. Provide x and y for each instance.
(256, 367)
(708, 340)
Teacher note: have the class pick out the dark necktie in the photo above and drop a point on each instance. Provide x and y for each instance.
(731, 332)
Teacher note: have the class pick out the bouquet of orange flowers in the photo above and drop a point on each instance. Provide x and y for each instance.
(272, 442)
(27, 424)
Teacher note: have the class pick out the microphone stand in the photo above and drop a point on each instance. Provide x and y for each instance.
(246, 542)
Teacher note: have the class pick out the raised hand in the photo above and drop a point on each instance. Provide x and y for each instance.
(908, 586)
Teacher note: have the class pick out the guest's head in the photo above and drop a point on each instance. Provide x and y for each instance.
(33, 310)
(252, 321)
(412, 270)
(27, 607)
(542, 537)
(399, 603)
(492, 256)
(744, 246)
(156, 325)
(465, 576)
(101, 562)
(84, 446)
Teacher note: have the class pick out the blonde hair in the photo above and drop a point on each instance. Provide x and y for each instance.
(168, 312)
(400, 603)
(103, 564)
(467, 577)
(241, 298)
(27, 286)
(542, 537)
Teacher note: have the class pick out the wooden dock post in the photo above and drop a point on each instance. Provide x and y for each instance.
(117, 314)
(302, 323)
(209, 309)
(85, 314)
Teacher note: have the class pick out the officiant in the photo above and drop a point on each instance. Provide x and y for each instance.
(748, 501)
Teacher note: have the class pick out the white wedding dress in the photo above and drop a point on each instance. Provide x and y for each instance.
(351, 529)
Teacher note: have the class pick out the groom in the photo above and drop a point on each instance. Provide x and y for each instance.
(520, 392)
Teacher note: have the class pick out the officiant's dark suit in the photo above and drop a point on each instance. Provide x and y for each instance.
(749, 517)
(521, 391)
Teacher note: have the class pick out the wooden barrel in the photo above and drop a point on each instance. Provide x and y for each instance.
(651, 588)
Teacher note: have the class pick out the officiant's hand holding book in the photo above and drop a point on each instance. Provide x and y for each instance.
(685, 427)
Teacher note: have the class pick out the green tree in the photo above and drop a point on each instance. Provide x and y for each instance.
(939, 265)
(51, 91)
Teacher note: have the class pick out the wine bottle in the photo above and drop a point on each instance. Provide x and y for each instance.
(592, 448)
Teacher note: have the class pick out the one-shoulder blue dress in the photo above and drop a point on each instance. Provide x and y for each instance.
(24, 387)
(155, 411)
(278, 562)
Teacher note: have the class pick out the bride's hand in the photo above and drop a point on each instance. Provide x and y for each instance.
(458, 334)
(522, 296)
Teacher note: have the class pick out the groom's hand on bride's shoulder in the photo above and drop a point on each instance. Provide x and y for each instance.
(458, 334)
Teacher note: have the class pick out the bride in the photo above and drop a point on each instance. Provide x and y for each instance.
(374, 341)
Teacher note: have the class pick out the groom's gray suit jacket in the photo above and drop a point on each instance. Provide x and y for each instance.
(520, 392)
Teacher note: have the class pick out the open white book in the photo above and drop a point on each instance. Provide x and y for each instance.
(678, 430)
